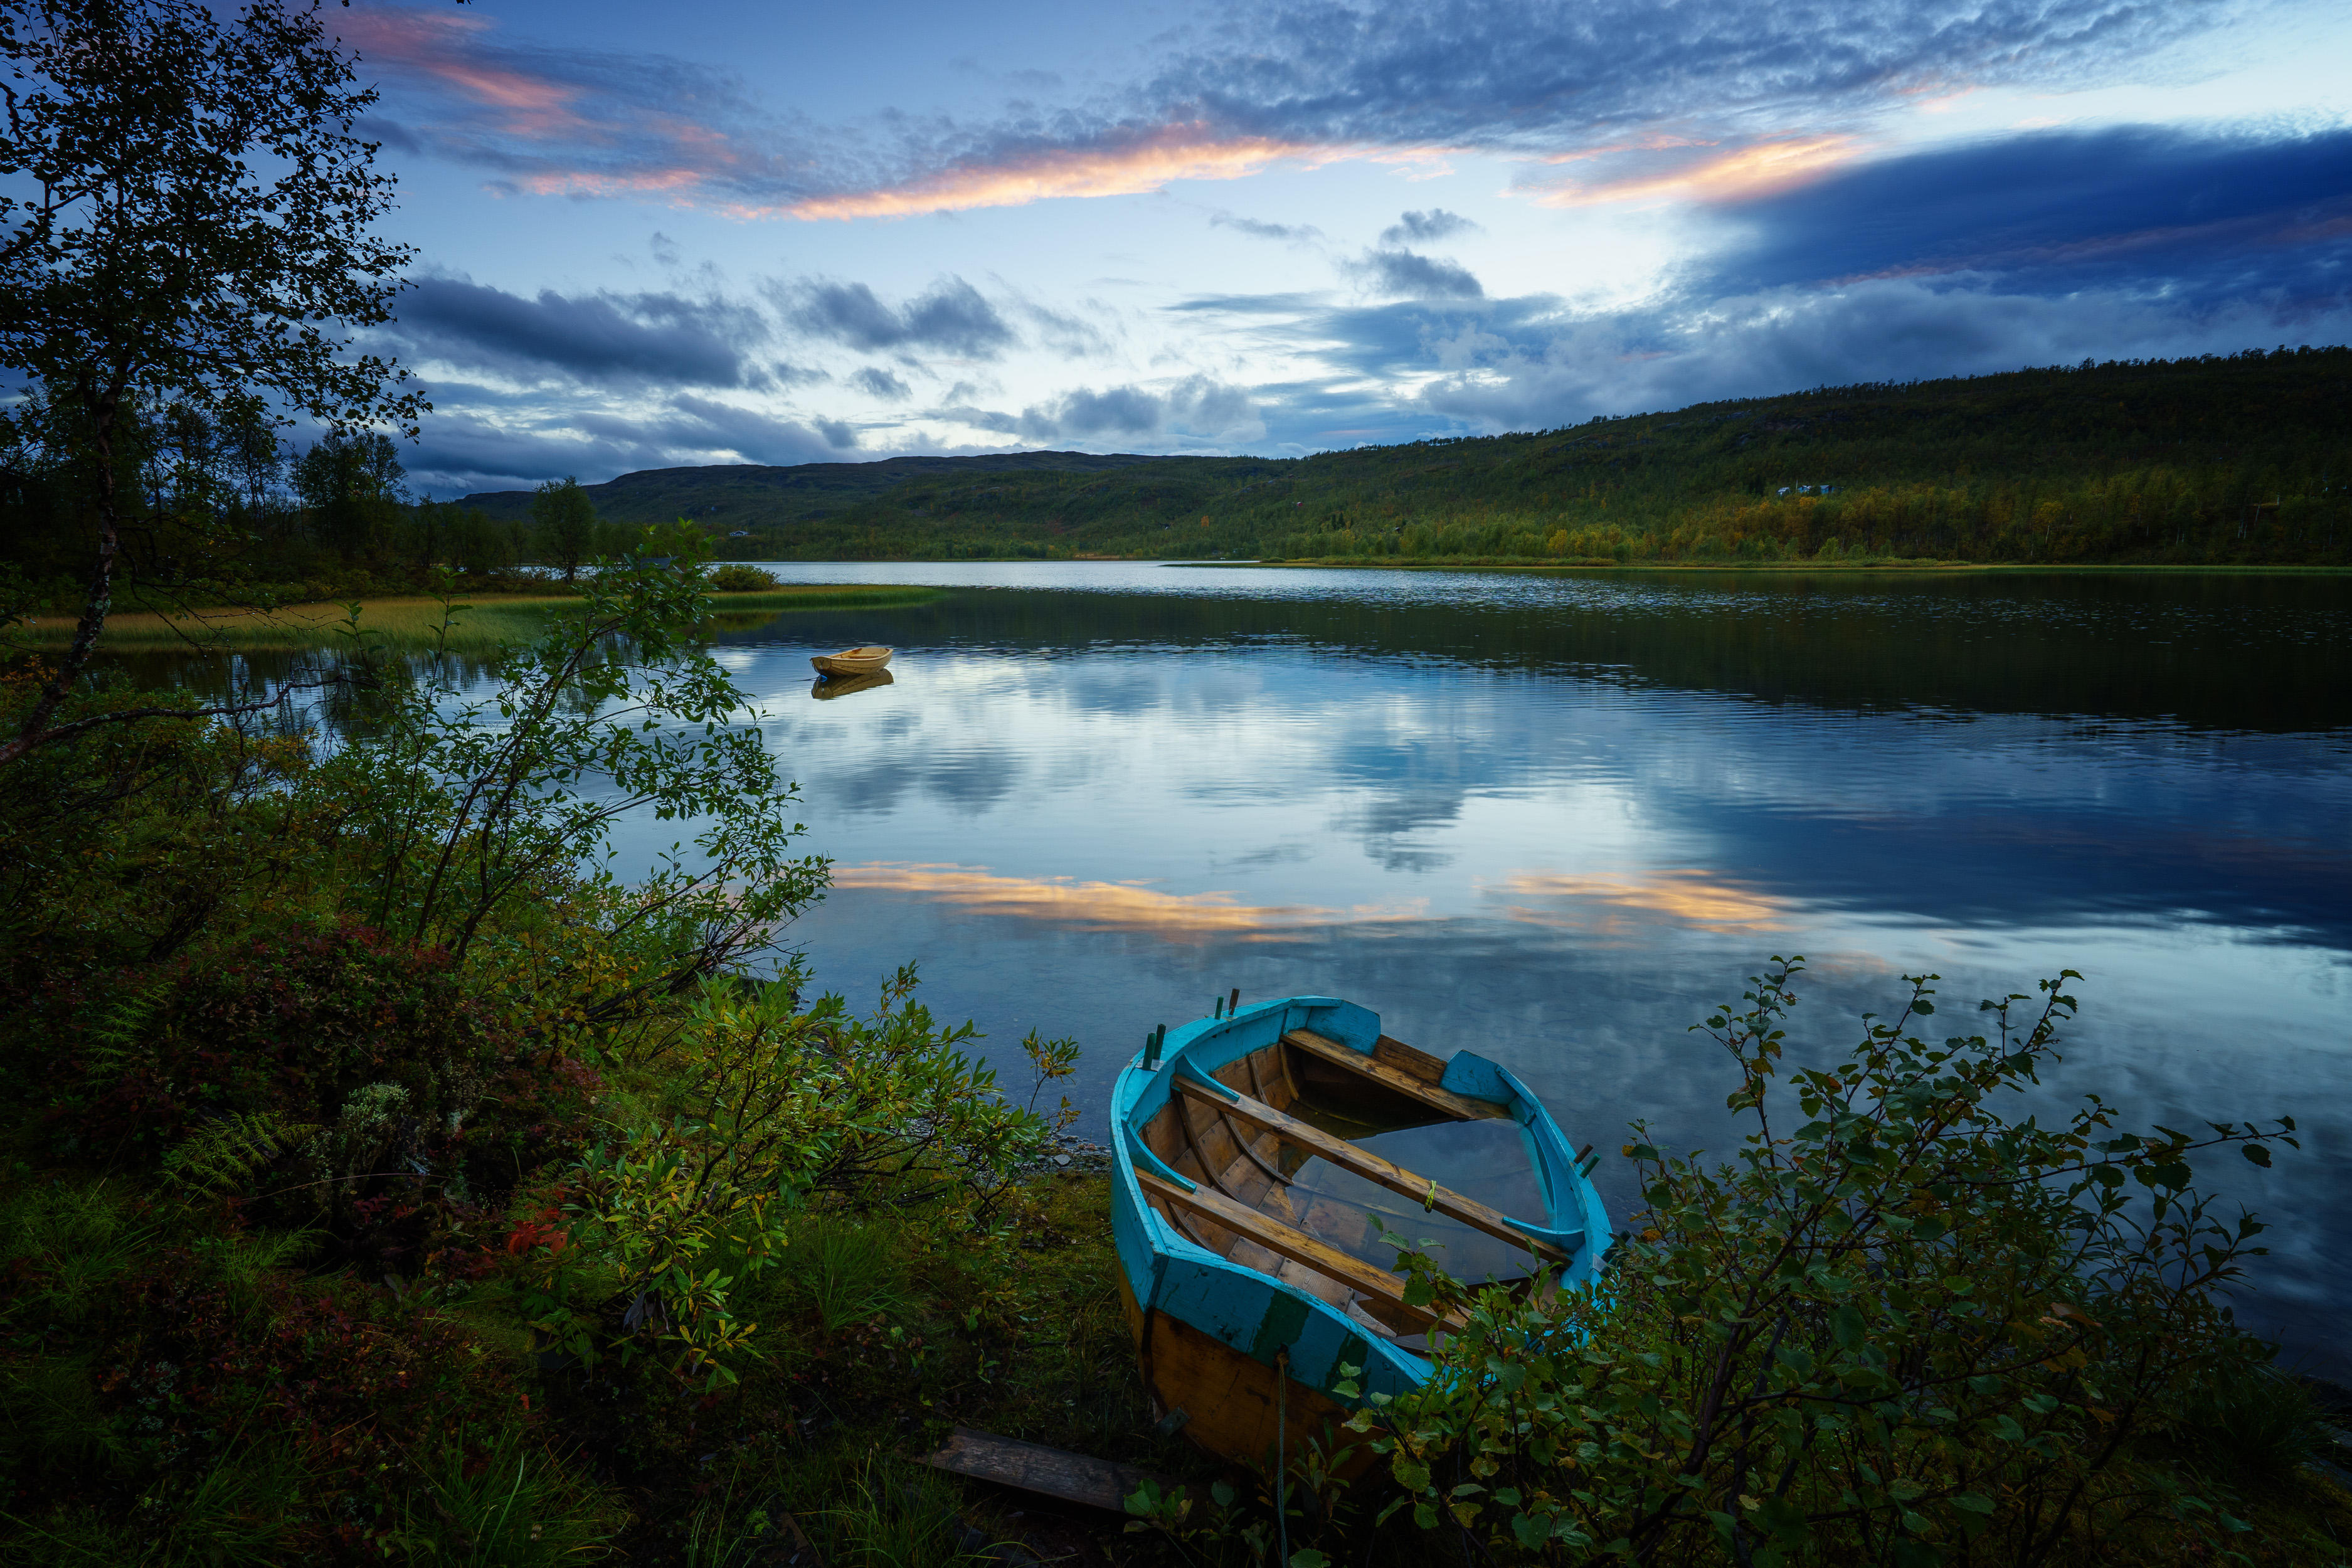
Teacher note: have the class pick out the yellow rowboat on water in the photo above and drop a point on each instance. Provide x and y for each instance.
(852, 662)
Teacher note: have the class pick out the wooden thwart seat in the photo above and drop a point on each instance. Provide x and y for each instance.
(1462, 1108)
(1289, 1242)
(1454, 1205)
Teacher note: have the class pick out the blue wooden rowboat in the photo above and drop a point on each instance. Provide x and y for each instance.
(1253, 1153)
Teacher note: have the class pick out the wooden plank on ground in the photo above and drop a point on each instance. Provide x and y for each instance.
(1461, 1107)
(1365, 1163)
(1288, 1241)
(1034, 1467)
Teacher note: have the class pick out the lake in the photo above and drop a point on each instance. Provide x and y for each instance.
(1553, 818)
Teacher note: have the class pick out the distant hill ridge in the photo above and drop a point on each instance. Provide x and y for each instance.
(2243, 458)
(751, 495)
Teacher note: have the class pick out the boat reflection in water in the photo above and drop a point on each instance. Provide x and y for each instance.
(825, 688)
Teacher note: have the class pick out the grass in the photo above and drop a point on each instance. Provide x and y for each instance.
(412, 622)
(846, 1273)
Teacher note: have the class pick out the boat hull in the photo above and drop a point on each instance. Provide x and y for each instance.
(1235, 1406)
(852, 662)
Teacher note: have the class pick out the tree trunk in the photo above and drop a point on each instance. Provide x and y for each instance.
(97, 600)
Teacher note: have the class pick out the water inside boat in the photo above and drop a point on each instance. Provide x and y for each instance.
(1488, 1161)
(1311, 1165)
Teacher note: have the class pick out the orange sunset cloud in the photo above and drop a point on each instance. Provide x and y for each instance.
(1750, 171)
(1174, 152)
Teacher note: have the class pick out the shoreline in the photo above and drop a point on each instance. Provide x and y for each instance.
(409, 620)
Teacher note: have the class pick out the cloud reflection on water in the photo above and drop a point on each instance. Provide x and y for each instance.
(1080, 905)
(1603, 901)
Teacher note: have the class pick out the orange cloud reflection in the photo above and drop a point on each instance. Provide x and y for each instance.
(1601, 899)
(1750, 171)
(1111, 906)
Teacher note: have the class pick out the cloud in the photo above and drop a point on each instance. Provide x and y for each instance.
(838, 434)
(602, 337)
(1015, 170)
(1419, 277)
(1199, 406)
(2205, 217)
(952, 318)
(1528, 367)
(470, 446)
(1307, 81)
(1427, 227)
(876, 382)
(1295, 234)
(1061, 333)
(1672, 169)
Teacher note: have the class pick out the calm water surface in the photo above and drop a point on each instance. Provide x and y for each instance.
(1553, 820)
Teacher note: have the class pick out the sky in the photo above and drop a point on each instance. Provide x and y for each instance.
(720, 232)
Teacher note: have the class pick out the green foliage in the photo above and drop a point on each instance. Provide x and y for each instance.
(900, 1516)
(563, 525)
(351, 485)
(767, 1107)
(172, 1394)
(494, 1499)
(471, 801)
(1902, 1326)
(343, 1045)
(844, 1271)
(2250, 1423)
(736, 578)
(192, 228)
(227, 1156)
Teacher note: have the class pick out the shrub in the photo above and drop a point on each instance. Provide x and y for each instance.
(736, 578)
(1901, 1328)
(770, 1107)
(337, 1079)
(341, 1028)
(218, 1410)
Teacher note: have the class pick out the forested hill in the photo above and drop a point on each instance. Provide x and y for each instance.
(2247, 457)
(746, 495)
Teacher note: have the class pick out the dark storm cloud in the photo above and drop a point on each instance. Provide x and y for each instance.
(1417, 276)
(876, 382)
(1426, 228)
(601, 337)
(951, 318)
(2210, 219)
(466, 449)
